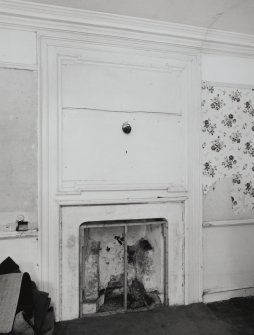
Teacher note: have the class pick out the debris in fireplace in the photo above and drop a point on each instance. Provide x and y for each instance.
(115, 279)
(140, 298)
(138, 293)
(145, 245)
(137, 297)
(114, 294)
(115, 287)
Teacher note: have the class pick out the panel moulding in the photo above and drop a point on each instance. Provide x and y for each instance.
(228, 223)
(154, 62)
(52, 19)
(51, 200)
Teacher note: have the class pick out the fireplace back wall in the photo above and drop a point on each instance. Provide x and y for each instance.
(123, 265)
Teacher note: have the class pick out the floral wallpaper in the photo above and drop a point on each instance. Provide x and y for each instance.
(228, 141)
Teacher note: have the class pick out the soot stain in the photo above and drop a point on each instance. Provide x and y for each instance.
(119, 239)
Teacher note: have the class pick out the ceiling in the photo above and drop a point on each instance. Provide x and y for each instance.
(230, 15)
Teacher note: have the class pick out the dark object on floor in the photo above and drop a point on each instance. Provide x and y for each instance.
(196, 319)
(21, 325)
(9, 266)
(24, 326)
(22, 306)
(41, 302)
(15, 289)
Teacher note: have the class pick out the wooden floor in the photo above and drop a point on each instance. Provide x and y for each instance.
(233, 317)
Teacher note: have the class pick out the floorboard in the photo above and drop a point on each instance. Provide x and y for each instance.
(232, 317)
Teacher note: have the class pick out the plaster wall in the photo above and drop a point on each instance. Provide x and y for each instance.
(227, 69)
(24, 251)
(19, 149)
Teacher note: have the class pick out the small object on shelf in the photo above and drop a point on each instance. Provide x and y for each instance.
(22, 225)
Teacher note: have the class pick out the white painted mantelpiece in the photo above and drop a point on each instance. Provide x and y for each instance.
(74, 216)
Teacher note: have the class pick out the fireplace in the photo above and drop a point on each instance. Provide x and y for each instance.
(120, 257)
(122, 265)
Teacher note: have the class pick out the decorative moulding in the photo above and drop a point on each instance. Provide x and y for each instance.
(212, 296)
(228, 223)
(15, 13)
(19, 66)
(78, 185)
(17, 234)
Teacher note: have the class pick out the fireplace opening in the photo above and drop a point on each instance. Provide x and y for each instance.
(123, 266)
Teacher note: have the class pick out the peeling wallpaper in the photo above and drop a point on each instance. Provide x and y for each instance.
(228, 142)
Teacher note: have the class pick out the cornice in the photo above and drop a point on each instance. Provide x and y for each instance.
(37, 17)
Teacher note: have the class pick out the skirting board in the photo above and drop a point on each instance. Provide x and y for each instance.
(225, 295)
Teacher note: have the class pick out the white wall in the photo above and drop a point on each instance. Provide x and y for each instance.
(23, 250)
(18, 168)
(228, 245)
(227, 69)
(19, 149)
(18, 47)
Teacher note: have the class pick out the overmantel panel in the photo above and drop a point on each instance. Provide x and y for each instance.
(114, 81)
(96, 151)
(99, 89)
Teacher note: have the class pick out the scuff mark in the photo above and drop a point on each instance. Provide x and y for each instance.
(71, 241)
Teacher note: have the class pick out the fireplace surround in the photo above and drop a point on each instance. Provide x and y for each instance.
(154, 256)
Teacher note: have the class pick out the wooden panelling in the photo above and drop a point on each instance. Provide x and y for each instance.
(96, 150)
(23, 249)
(225, 295)
(86, 156)
(117, 85)
(228, 258)
(102, 90)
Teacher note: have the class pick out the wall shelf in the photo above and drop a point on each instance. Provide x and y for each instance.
(18, 234)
